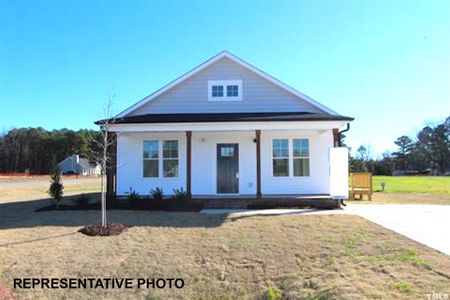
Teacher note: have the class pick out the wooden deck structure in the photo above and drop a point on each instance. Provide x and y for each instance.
(360, 184)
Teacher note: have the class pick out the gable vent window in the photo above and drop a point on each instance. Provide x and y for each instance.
(232, 90)
(224, 90)
(217, 91)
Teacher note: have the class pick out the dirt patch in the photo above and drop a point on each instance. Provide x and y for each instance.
(406, 198)
(98, 230)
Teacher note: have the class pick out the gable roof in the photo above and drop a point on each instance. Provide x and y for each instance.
(225, 54)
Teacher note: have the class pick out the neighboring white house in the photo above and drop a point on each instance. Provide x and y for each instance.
(227, 128)
(75, 164)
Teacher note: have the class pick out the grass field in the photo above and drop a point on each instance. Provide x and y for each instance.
(18, 189)
(432, 185)
(219, 257)
(410, 190)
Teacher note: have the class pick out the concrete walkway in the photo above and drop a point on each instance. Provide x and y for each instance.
(426, 224)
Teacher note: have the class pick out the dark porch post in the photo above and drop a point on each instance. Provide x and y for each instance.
(258, 164)
(111, 167)
(336, 137)
(188, 163)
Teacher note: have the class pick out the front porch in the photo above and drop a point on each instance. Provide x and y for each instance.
(233, 165)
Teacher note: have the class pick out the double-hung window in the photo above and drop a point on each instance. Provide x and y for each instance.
(280, 153)
(151, 158)
(155, 164)
(170, 158)
(300, 155)
(290, 154)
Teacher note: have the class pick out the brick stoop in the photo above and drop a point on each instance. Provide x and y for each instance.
(267, 203)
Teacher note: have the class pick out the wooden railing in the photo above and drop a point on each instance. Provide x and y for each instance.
(360, 184)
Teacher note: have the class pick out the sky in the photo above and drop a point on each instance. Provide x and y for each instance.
(385, 63)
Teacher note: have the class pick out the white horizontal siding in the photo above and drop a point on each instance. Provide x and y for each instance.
(130, 164)
(204, 161)
(317, 183)
(204, 176)
(259, 94)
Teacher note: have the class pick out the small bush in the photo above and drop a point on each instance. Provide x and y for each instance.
(180, 195)
(133, 195)
(56, 188)
(81, 200)
(272, 294)
(157, 195)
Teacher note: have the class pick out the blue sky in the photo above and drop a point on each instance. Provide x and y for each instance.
(386, 63)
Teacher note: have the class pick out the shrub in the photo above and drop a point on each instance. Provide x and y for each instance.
(157, 194)
(56, 188)
(133, 195)
(81, 200)
(180, 195)
(272, 294)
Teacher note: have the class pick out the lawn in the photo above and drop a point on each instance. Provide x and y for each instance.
(219, 257)
(432, 185)
(410, 190)
(19, 188)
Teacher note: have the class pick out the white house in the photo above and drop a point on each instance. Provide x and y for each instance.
(227, 130)
(75, 164)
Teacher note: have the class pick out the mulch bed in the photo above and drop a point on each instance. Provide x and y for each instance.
(124, 204)
(98, 230)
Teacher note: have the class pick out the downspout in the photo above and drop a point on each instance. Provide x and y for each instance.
(340, 132)
(345, 130)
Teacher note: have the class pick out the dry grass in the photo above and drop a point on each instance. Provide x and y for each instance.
(406, 198)
(219, 257)
(23, 188)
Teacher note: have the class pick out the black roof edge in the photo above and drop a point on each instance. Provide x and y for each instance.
(225, 117)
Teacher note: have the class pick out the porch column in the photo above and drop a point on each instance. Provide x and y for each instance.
(258, 164)
(111, 167)
(188, 163)
(336, 137)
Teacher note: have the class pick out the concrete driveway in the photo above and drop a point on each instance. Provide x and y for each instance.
(426, 224)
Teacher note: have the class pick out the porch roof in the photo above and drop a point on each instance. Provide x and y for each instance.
(226, 117)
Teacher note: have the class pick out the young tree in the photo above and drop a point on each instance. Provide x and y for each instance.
(56, 186)
(101, 145)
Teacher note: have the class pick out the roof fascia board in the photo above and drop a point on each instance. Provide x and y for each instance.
(228, 126)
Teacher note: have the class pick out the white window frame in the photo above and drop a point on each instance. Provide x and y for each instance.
(150, 159)
(301, 157)
(161, 159)
(283, 158)
(171, 158)
(224, 84)
(291, 156)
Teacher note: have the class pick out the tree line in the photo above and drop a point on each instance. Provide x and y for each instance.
(37, 151)
(428, 151)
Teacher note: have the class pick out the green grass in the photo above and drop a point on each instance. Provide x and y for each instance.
(413, 184)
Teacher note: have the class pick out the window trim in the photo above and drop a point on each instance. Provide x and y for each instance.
(290, 157)
(161, 158)
(224, 84)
